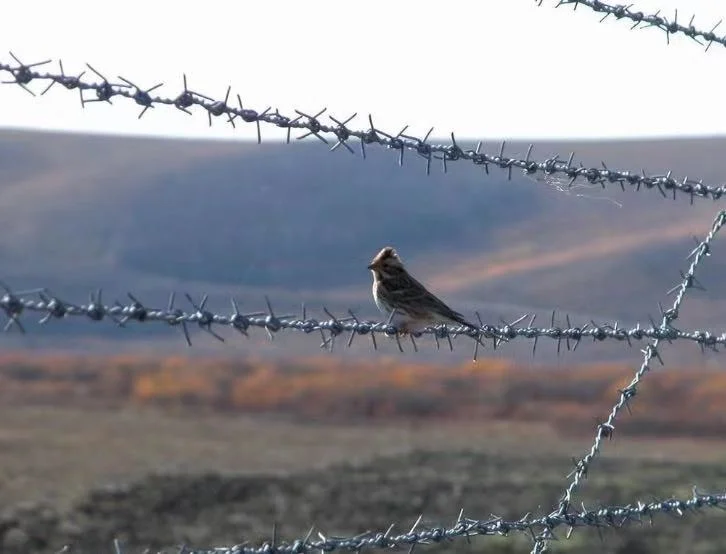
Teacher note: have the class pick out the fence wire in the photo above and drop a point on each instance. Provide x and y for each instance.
(338, 132)
(541, 529)
(42, 301)
(616, 517)
(644, 21)
(606, 429)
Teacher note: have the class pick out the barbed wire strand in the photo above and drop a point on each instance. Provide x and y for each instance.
(339, 132)
(670, 27)
(606, 429)
(51, 307)
(606, 517)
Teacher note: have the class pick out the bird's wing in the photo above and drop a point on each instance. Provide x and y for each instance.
(414, 293)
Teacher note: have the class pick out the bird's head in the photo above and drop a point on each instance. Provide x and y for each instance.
(385, 261)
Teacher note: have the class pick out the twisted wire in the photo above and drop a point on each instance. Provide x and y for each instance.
(606, 429)
(51, 307)
(615, 517)
(670, 27)
(338, 132)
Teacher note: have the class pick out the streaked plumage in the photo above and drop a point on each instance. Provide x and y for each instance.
(416, 307)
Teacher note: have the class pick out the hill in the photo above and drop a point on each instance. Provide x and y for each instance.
(299, 223)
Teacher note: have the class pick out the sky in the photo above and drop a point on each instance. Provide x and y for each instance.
(484, 69)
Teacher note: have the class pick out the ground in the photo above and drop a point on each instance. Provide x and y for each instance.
(154, 478)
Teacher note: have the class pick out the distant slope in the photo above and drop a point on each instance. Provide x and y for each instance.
(300, 223)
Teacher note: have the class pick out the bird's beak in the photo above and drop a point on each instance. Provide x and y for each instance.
(370, 266)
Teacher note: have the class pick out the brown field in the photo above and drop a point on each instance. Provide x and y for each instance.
(86, 457)
(675, 401)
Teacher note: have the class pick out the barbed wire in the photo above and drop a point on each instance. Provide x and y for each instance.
(339, 132)
(606, 429)
(622, 11)
(540, 529)
(51, 307)
(615, 517)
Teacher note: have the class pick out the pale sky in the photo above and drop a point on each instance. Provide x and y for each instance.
(485, 69)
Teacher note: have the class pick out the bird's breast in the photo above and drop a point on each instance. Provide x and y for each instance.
(377, 297)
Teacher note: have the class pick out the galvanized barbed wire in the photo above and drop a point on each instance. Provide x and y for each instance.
(622, 11)
(339, 132)
(605, 517)
(51, 307)
(615, 517)
(607, 428)
(541, 529)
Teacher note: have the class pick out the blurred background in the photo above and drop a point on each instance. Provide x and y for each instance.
(128, 433)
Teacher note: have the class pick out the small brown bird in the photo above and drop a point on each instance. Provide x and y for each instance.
(416, 308)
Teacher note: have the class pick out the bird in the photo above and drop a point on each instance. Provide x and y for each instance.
(415, 307)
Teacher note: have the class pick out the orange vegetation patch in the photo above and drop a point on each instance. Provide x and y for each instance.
(670, 402)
